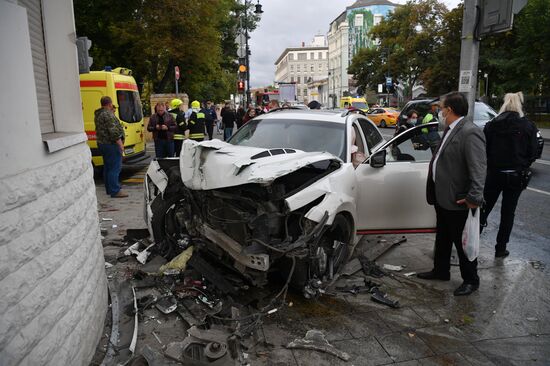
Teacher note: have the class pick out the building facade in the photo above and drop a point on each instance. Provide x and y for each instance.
(302, 65)
(347, 34)
(52, 271)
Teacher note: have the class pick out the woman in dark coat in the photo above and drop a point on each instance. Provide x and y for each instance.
(511, 148)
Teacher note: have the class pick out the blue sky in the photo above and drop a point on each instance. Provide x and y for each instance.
(288, 23)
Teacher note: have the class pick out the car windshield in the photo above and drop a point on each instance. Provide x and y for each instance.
(359, 105)
(483, 113)
(305, 135)
(129, 106)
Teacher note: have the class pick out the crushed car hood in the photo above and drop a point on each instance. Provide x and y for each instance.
(216, 164)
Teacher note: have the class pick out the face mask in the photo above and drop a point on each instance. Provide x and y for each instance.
(413, 121)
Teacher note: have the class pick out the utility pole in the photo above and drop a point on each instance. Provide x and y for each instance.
(247, 54)
(469, 54)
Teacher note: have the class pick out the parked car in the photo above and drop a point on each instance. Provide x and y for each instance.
(284, 193)
(383, 117)
(482, 114)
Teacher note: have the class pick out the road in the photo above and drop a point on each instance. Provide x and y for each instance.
(530, 238)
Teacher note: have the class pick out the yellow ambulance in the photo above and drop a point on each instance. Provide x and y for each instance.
(122, 88)
(357, 103)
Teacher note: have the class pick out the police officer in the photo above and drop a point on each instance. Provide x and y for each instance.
(195, 123)
(176, 111)
(511, 148)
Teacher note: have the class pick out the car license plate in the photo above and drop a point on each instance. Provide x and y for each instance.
(128, 151)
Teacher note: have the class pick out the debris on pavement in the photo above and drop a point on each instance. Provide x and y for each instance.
(316, 340)
(133, 249)
(370, 268)
(178, 263)
(167, 304)
(108, 265)
(392, 267)
(134, 336)
(409, 274)
(382, 298)
(144, 254)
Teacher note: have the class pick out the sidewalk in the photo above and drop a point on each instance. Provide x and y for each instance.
(506, 322)
(545, 132)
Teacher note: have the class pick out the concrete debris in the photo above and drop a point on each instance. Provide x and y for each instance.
(108, 265)
(370, 268)
(409, 274)
(114, 226)
(133, 249)
(144, 254)
(392, 267)
(315, 340)
(106, 219)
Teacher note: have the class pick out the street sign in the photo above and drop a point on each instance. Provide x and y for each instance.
(177, 72)
(241, 42)
(380, 88)
(388, 81)
(498, 15)
(465, 81)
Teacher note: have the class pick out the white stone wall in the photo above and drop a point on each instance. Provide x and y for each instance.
(54, 296)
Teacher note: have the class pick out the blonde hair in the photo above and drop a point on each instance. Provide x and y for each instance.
(512, 103)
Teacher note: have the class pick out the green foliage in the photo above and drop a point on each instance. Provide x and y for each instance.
(151, 37)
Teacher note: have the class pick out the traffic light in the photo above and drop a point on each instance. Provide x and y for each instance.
(240, 86)
(83, 45)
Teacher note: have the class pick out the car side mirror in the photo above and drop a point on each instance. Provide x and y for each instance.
(378, 160)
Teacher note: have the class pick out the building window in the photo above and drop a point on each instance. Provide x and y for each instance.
(40, 65)
(305, 91)
(320, 55)
(298, 80)
(299, 92)
(298, 67)
(302, 56)
(312, 68)
(292, 79)
(291, 56)
(311, 55)
(291, 67)
(320, 67)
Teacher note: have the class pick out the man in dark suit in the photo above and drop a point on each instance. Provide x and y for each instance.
(455, 184)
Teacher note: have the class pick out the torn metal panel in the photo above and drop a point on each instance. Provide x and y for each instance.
(157, 176)
(213, 165)
(315, 340)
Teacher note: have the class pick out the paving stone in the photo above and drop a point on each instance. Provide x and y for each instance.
(475, 357)
(365, 324)
(274, 357)
(455, 359)
(278, 332)
(402, 347)
(334, 328)
(443, 339)
(364, 351)
(427, 314)
(531, 350)
(400, 319)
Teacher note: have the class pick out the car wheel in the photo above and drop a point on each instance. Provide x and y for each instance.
(383, 124)
(331, 254)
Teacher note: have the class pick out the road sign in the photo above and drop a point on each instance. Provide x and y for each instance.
(498, 15)
(177, 72)
(380, 88)
(465, 81)
(388, 81)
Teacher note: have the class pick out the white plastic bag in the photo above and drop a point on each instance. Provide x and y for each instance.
(470, 234)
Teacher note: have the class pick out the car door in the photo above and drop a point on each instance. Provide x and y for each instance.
(392, 198)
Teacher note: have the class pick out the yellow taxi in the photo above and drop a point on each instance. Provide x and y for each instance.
(383, 117)
(122, 88)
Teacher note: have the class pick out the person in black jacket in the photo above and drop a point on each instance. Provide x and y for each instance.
(511, 148)
(229, 117)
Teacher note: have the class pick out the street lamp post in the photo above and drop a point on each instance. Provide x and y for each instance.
(257, 11)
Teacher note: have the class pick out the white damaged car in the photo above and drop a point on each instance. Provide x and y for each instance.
(291, 188)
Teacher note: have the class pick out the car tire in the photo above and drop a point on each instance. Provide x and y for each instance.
(383, 124)
(341, 230)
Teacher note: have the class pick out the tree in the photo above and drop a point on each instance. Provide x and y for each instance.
(151, 37)
(408, 38)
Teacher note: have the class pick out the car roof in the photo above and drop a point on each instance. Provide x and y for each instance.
(323, 115)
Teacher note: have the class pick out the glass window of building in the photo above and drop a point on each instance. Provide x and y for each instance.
(302, 56)
(320, 55)
(311, 55)
(298, 80)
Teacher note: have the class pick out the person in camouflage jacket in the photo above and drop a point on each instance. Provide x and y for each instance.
(110, 137)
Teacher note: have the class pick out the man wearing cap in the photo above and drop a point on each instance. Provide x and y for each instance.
(110, 135)
(178, 114)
